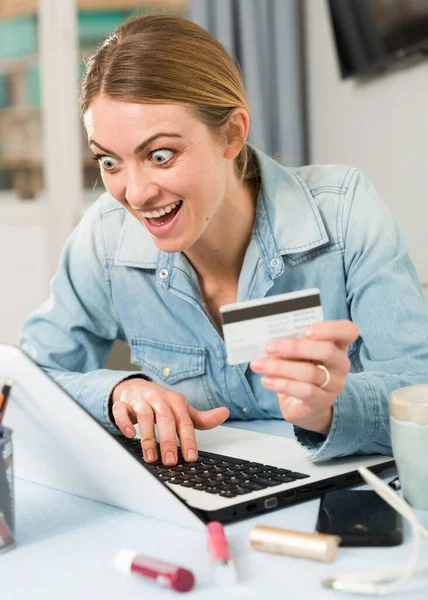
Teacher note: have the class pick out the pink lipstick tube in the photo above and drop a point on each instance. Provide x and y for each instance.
(165, 574)
(218, 545)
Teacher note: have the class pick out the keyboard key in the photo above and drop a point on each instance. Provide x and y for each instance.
(220, 477)
(181, 465)
(193, 469)
(219, 457)
(266, 482)
(237, 480)
(298, 475)
(208, 461)
(164, 476)
(247, 476)
(270, 472)
(212, 490)
(175, 472)
(218, 469)
(240, 489)
(283, 478)
(200, 486)
(227, 494)
(212, 482)
(254, 470)
(226, 486)
(254, 486)
(235, 467)
(177, 480)
(198, 479)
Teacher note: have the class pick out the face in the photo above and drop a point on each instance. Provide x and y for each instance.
(162, 164)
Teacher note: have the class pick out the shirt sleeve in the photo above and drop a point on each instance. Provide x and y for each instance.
(72, 333)
(387, 302)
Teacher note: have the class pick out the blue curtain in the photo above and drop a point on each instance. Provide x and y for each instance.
(265, 37)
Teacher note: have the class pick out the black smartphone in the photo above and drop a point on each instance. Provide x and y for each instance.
(359, 518)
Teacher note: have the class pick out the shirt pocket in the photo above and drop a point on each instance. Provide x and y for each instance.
(168, 364)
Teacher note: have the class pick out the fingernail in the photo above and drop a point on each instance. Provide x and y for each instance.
(129, 432)
(169, 458)
(150, 455)
(309, 332)
(191, 455)
(272, 347)
(257, 365)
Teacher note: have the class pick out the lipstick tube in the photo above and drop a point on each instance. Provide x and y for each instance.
(317, 546)
(165, 574)
(224, 566)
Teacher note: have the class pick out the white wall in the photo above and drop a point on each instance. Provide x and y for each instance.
(24, 275)
(380, 125)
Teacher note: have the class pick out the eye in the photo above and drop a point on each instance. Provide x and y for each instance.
(108, 162)
(162, 156)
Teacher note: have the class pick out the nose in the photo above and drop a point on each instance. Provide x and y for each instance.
(140, 189)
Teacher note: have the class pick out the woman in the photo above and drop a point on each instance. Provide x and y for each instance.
(194, 218)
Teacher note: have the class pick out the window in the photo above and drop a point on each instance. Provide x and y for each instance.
(21, 169)
(96, 20)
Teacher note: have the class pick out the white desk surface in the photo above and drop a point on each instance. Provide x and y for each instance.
(66, 545)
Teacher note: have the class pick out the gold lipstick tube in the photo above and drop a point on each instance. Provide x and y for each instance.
(317, 546)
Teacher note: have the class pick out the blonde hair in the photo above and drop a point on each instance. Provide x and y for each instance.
(164, 59)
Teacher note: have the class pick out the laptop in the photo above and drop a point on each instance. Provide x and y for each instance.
(239, 473)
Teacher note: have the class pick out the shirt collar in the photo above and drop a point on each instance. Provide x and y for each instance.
(288, 210)
(136, 247)
(287, 221)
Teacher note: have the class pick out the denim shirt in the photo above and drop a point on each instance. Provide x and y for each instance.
(315, 226)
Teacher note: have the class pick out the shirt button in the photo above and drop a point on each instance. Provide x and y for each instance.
(274, 262)
(163, 273)
(245, 410)
(166, 371)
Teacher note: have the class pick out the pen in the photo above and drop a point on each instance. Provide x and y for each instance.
(225, 571)
(3, 405)
(5, 533)
(165, 574)
(395, 484)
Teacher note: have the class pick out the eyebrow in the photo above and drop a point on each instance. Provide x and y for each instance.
(142, 146)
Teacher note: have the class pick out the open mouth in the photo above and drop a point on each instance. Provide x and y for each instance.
(166, 218)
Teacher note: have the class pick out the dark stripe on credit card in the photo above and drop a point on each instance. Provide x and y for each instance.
(269, 309)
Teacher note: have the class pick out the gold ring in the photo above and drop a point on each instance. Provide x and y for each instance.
(327, 376)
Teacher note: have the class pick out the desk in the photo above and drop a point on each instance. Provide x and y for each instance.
(66, 545)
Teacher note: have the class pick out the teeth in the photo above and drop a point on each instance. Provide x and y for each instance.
(150, 214)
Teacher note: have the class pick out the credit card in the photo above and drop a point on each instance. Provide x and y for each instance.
(248, 326)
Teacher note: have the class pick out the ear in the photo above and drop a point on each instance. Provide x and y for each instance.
(236, 132)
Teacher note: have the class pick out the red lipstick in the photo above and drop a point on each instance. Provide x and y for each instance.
(165, 574)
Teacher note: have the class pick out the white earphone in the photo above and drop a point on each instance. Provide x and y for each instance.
(382, 583)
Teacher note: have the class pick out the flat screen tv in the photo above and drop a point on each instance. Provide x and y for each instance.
(372, 35)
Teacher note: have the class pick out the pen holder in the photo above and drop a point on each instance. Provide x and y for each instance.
(7, 506)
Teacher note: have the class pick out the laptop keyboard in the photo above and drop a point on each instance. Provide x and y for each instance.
(216, 474)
